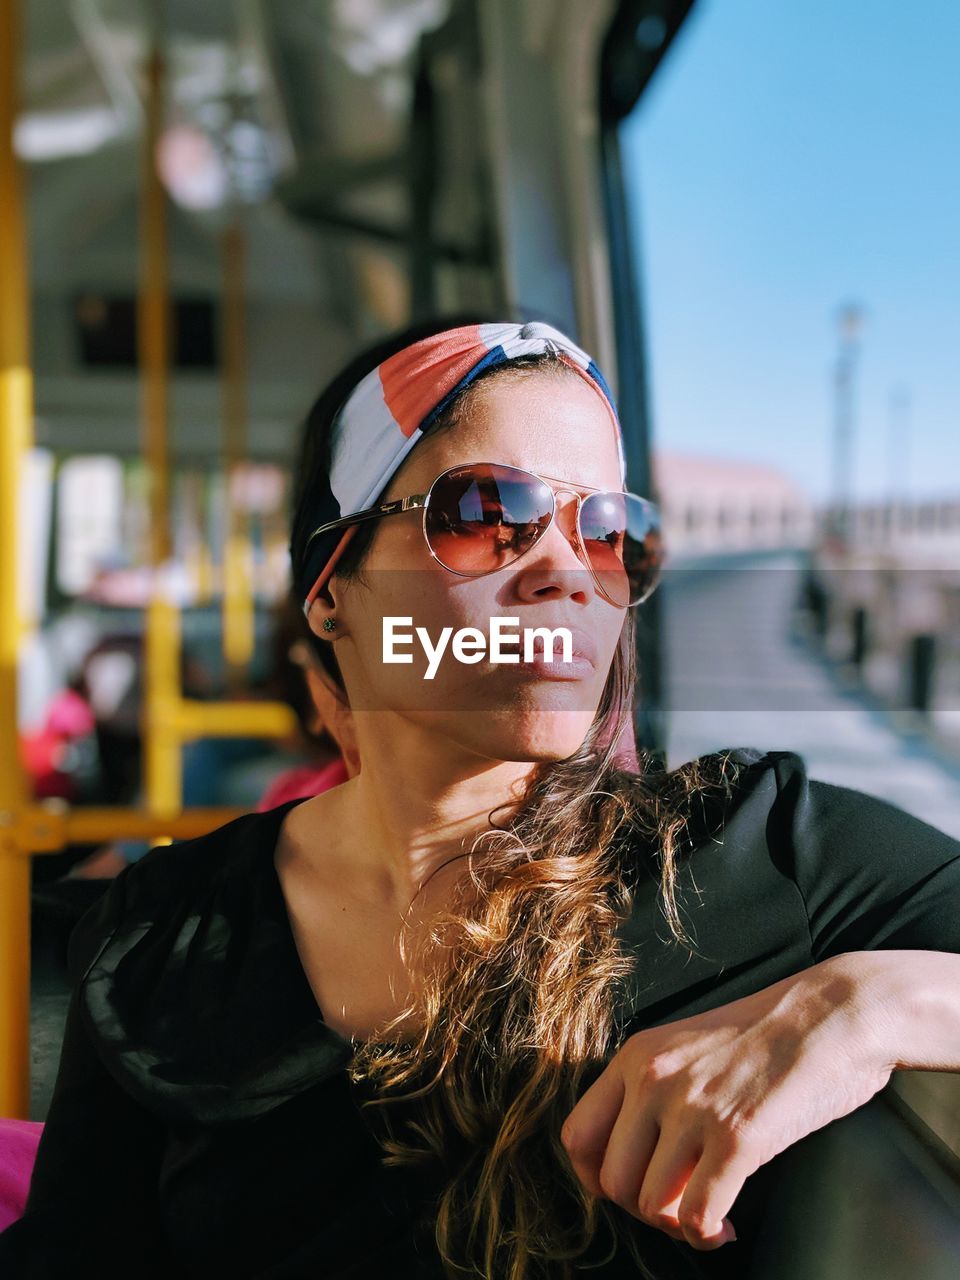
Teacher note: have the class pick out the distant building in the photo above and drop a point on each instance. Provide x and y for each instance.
(713, 504)
(925, 532)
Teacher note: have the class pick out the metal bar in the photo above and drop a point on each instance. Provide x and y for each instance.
(187, 719)
(650, 712)
(161, 747)
(48, 827)
(238, 604)
(153, 318)
(422, 152)
(327, 215)
(16, 437)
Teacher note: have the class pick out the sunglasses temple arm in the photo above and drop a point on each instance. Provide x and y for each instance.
(371, 513)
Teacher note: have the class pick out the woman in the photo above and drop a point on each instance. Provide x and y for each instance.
(499, 1000)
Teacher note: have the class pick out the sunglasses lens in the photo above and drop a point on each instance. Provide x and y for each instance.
(481, 517)
(621, 536)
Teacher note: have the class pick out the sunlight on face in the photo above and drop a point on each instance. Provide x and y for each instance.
(552, 424)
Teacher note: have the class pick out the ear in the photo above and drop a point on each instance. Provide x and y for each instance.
(323, 607)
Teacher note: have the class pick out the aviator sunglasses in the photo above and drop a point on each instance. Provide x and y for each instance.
(482, 516)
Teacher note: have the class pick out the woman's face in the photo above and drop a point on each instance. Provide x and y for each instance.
(555, 425)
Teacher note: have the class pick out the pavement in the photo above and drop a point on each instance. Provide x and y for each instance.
(741, 670)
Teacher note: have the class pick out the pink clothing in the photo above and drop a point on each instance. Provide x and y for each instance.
(18, 1151)
(44, 750)
(304, 780)
(69, 715)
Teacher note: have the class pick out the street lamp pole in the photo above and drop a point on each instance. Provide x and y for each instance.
(849, 323)
(898, 440)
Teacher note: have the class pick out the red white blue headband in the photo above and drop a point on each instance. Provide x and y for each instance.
(391, 408)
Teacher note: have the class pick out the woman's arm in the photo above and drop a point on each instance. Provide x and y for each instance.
(911, 1006)
(685, 1112)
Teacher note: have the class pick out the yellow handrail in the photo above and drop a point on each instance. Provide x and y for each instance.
(49, 826)
(238, 608)
(161, 758)
(16, 437)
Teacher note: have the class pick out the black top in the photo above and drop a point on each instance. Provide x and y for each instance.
(203, 1122)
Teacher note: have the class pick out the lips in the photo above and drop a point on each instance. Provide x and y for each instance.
(583, 647)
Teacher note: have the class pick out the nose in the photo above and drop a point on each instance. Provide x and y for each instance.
(556, 563)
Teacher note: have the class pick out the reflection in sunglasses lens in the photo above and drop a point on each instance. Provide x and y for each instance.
(480, 518)
(621, 536)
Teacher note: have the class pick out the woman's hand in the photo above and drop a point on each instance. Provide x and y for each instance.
(684, 1113)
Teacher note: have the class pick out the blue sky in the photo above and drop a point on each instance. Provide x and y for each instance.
(791, 155)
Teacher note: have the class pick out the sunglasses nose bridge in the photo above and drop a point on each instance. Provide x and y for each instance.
(558, 506)
(576, 531)
(574, 536)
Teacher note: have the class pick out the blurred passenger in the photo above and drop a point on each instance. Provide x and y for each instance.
(321, 754)
(60, 757)
(323, 714)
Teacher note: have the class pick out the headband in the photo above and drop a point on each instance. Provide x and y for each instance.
(390, 409)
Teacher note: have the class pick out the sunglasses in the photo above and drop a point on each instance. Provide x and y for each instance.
(482, 516)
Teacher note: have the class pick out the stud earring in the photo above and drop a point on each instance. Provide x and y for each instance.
(329, 624)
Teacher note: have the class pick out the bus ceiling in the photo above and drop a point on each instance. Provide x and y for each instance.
(637, 39)
(417, 155)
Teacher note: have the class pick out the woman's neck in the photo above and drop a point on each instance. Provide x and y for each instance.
(413, 807)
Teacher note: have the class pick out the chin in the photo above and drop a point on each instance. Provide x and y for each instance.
(538, 737)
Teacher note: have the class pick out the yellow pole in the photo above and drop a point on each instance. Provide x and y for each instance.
(50, 825)
(197, 553)
(16, 431)
(238, 612)
(153, 318)
(161, 747)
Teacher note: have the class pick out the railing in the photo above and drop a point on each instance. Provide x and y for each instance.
(872, 1196)
(895, 625)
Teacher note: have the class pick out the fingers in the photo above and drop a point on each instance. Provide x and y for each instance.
(632, 1144)
(665, 1179)
(713, 1187)
(670, 1179)
(680, 1180)
(586, 1130)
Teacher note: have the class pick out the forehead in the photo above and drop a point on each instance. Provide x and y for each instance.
(552, 422)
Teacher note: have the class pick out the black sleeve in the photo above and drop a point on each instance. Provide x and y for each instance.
(92, 1197)
(872, 876)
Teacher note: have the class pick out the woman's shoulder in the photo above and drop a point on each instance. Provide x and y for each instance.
(704, 793)
(786, 870)
(742, 765)
(866, 872)
(168, 876)
(188, 982)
